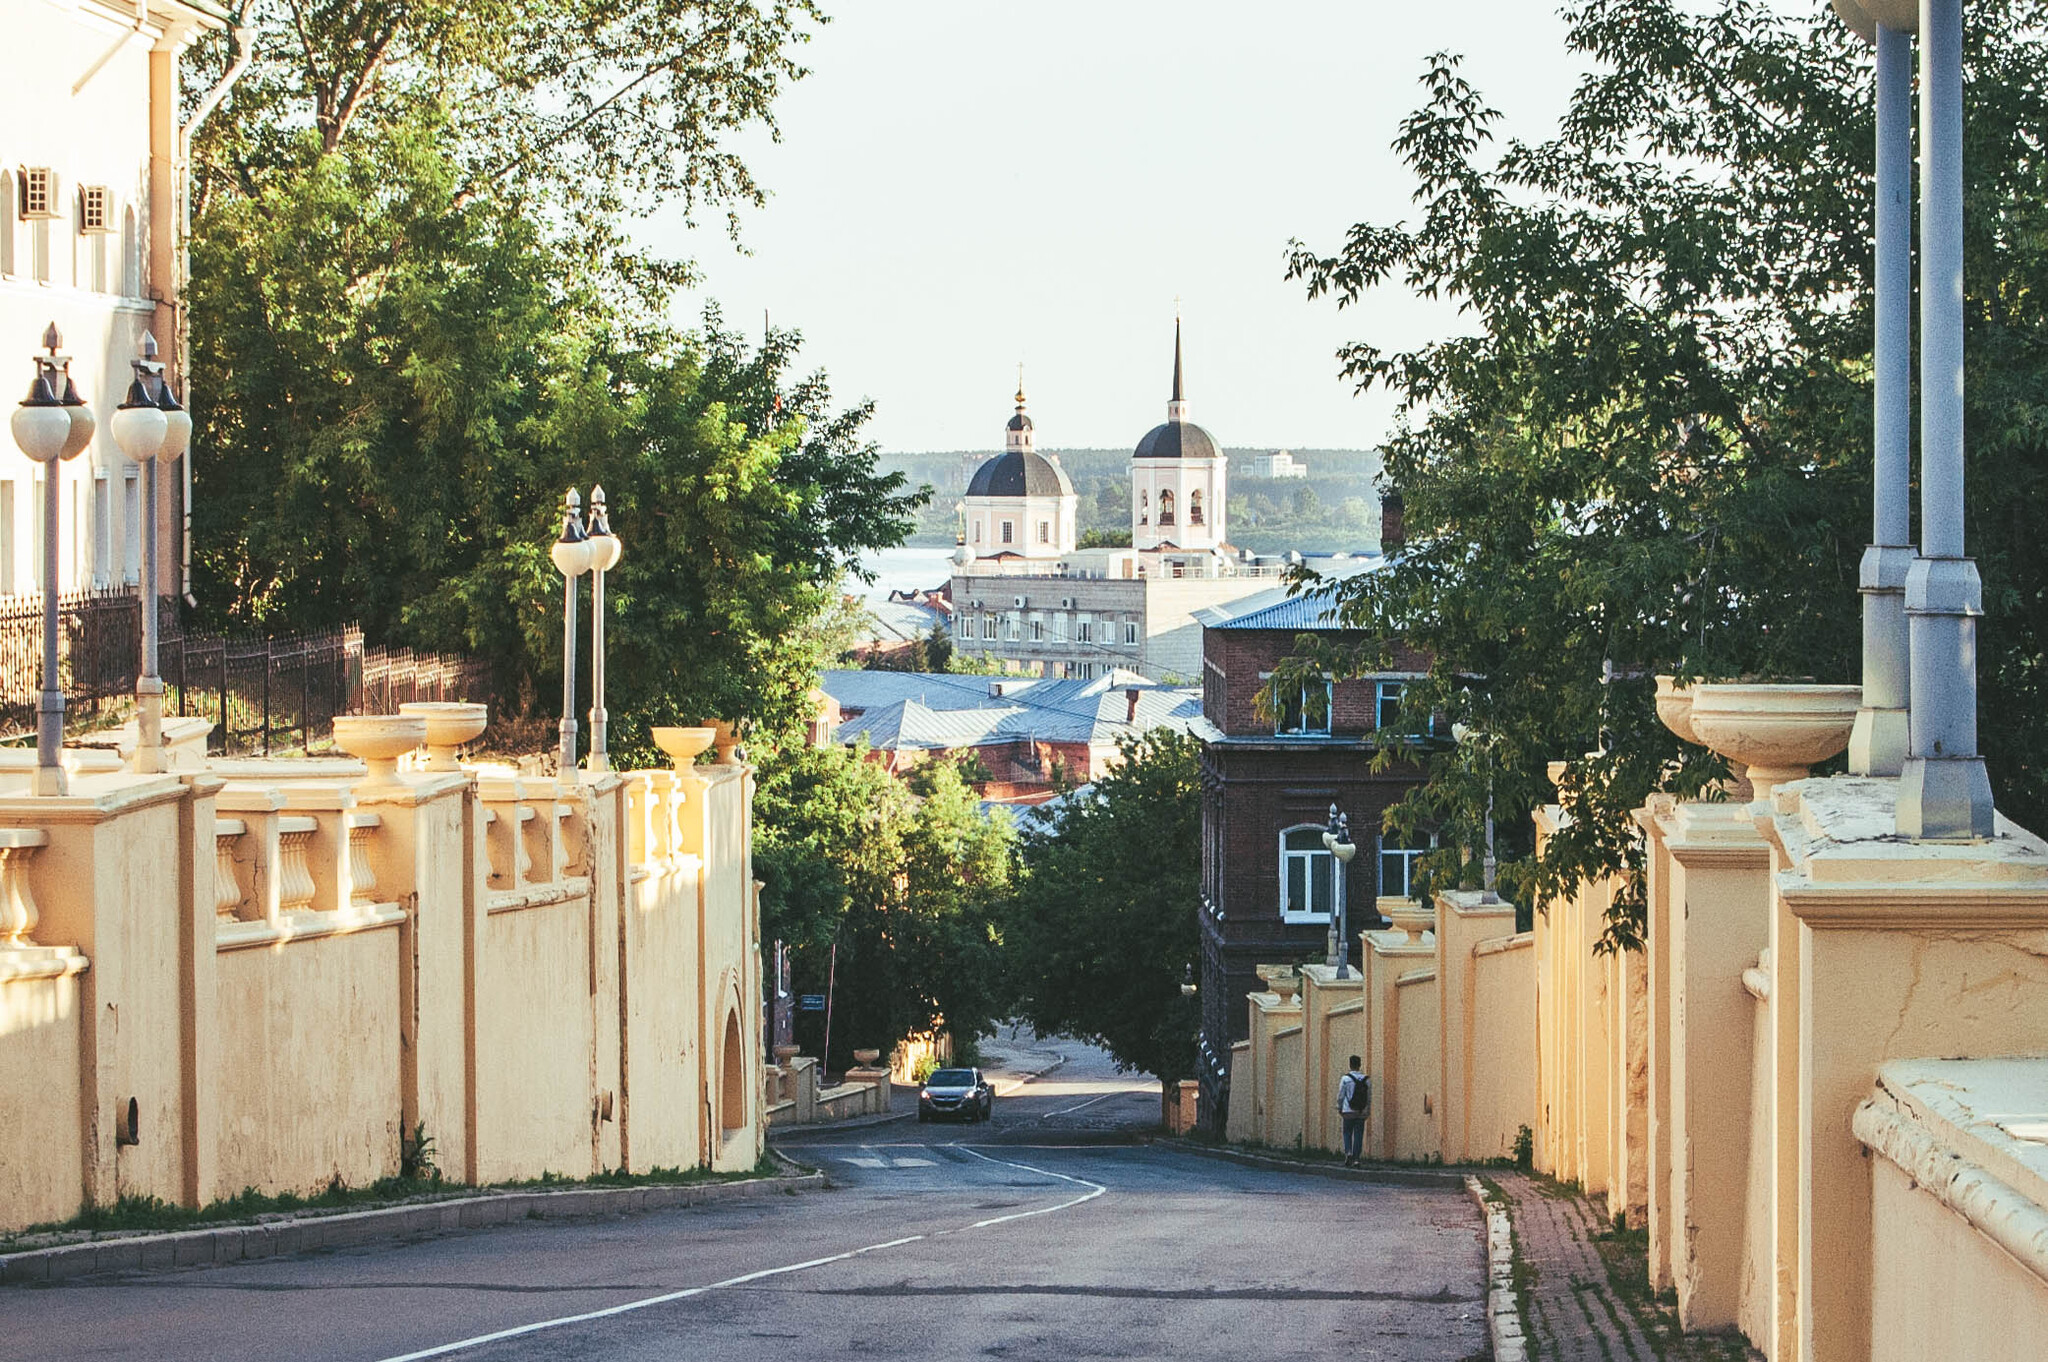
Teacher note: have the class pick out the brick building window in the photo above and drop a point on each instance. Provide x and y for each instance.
(1397, 865)
(1305, 711)
(1307, 875)
(1387, 704)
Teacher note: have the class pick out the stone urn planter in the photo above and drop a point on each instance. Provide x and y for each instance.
(785, 1053)
(1777, 731)
(1674, 709)
(1410, 917)
(1285, 986)
(866, 1058)
(450, 724)
(727, 742)
(380, 740)
(683, 744)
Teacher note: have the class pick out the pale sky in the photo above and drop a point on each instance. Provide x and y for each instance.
(963, 185)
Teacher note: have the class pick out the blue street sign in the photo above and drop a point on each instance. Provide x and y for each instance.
(811, 1002)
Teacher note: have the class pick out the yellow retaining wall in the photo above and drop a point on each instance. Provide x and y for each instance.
(286, 970)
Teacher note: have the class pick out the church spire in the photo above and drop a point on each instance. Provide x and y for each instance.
(1177, 405)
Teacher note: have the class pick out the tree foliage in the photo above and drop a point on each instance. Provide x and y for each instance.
(903, 876)
(1102, 929)
(399, 363)
(1650, 450)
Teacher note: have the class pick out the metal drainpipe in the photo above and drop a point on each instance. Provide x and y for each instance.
(1944, 793)
(1879, 742)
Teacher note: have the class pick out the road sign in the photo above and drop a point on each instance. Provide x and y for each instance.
(811, 1002)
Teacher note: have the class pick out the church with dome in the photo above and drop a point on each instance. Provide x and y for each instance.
(1026, 596)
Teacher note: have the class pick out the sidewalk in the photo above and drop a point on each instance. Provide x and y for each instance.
(1583, 1288)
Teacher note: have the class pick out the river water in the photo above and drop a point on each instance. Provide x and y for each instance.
(902, 569)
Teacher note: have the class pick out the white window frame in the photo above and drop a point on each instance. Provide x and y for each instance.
(1084, 630)
(1309, 857)
(988, 627)
(95, 210)
(1045, 531)
(1059, 627)
(37, 194)
(1009, 532)
(1131, 634)
(1037, 629)
(1302, 727)
(1014, 626)
(1406, 857)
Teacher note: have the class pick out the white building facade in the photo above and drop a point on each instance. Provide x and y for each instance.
(1178, 481)
(1020, 507)
(90, 187)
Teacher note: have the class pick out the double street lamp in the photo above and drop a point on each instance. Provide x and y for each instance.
(51, 425)
(578, 550)
(150, 428)
(1337, 838)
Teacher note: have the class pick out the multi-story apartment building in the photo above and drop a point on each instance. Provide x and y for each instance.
(1270, 887)
(91, 179)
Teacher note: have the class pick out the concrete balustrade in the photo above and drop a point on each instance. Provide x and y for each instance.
(490, 953)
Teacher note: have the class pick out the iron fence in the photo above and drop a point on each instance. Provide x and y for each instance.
(262, 694)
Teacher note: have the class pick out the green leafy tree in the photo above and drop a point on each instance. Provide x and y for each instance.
(1102, 929)
(1650, 453)
(901, 875)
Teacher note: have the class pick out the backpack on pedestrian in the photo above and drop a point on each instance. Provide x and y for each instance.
(1354, 1095)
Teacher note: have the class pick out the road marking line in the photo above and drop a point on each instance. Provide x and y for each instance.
(1089, 1103)
(540, 1325)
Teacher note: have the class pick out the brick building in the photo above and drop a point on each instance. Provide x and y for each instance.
(1269, 885)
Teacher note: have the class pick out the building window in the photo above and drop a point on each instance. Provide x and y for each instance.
(7, 537)
(1195, 507)
(1305, 710)
(38, 192)
(131, 524)
(1045, 532)
(1084, 630)
(102, 532)
(988, 627)
(1166, 508)
(976, 532)
(1397, 865)
(1059, 628)
(1307, 875)
(95, 208)
(1013, 628)
(1144, 508)
(1037, 629)
(1006, 532)
(1387, 704)
(1131, 635)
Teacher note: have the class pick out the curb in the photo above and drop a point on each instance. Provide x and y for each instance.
(1392, 1177)
(1503, 1315)
(269, 1239)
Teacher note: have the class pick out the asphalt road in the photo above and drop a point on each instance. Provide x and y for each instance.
(1048, 1233)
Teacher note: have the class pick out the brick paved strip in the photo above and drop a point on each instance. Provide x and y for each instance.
(1573, 1312)
(233, 1243)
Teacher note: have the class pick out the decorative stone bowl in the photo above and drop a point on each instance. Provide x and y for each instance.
(1778, 732)
(1674, 709)
(683, 744)
(727, 741)
(380, 740)
(450, 724)
(864, 1058)
(1285, 985)
(1410, 917)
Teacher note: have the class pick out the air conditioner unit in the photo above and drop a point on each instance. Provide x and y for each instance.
(1066, 602)
(1017, 601)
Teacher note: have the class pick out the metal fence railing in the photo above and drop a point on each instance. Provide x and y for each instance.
(263, 694)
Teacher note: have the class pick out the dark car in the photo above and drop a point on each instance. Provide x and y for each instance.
(956, 1094)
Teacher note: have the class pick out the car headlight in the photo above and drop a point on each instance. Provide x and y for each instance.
(924, 1094)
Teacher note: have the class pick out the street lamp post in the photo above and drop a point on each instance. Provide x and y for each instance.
(150, 428)
(1337, 837)
(604, 556)
(52, 424)
(572, 555)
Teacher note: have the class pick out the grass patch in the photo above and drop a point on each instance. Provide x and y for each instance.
(148, 1215)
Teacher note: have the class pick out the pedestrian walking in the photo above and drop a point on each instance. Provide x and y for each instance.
(1354, 1104)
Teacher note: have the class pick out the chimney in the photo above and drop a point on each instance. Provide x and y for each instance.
(995, 690)
(1131, 705)
(1393, 528)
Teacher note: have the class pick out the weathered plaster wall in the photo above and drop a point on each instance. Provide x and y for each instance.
(377, 975)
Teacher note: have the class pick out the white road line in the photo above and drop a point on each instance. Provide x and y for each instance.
(1089, 1103)
(539, 1326)
(536, 1327)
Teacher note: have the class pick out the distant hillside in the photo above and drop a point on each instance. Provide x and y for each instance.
(1333, 509)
